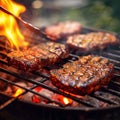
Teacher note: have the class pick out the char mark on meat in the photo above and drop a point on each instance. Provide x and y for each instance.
(39, 56)
(85, 43)
(83, 76)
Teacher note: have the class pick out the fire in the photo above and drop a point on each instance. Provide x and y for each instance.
(67, 101)
(18, 92)
(51, 95)
(36, 99)
(64, 100)
(8, 24)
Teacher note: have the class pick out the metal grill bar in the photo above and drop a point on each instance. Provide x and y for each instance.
(7, 103)
(117, 75)
(104, 99)
(112, 60)
(115, 83)
(111, 55)
(3, 62)
(117, 68)
(114, 92)
(114, 51)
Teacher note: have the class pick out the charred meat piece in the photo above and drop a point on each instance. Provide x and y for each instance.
(39, 56)
(91, 41)
(63, 29)
(83, 76)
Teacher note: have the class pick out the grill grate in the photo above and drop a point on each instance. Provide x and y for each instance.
(88, 101)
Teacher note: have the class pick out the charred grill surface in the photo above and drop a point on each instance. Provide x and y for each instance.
(39, 56)
(91, 41)
(83, 76)
(62, 29)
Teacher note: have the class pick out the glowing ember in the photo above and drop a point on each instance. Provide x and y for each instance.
(8, 24)
(51, 95)
(64, 100)
(36, 99)
(38, 89)
(67, 101)
(18, 92)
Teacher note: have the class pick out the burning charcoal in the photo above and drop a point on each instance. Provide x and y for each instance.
(44, 92)
(83, 76)
(88, 42)
(51, 95)
(39, 56)
(63, 29)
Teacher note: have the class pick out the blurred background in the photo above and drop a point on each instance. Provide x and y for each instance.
(103, 14)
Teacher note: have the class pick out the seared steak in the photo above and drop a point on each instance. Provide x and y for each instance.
(88, 42)
(83, 76)
(62, 29)
(42, 55)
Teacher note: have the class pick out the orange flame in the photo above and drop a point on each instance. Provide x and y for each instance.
(18, 92)
(8, 24)
(64, 100)
(67, 101)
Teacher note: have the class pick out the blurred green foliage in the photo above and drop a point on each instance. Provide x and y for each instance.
(104, 14)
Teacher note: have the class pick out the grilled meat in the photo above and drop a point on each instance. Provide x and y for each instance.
(91, 41)
(39, 56)
(83, 76)
(62, 29)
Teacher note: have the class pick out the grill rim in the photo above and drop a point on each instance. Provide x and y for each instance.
(85, 109)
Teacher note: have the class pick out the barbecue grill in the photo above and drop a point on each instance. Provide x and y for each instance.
(104, 103)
